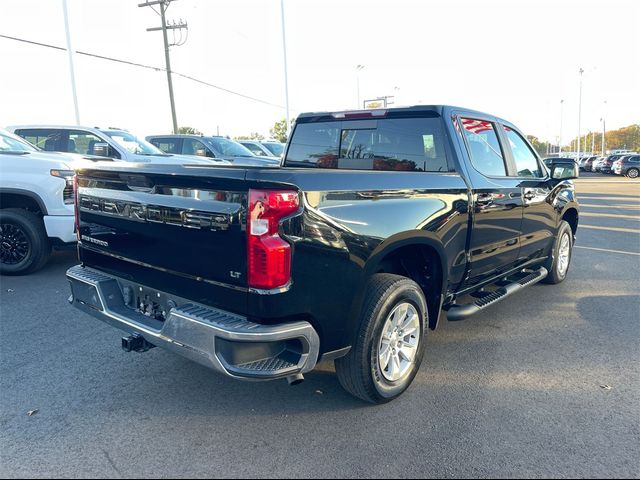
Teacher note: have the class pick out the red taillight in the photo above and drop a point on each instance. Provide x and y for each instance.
(75, 206)
(269, 256)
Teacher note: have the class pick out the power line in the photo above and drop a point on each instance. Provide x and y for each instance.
(140, 65)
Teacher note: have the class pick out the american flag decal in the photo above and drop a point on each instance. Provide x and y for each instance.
(476, 126)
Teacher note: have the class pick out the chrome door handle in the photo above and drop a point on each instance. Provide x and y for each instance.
(484, 198)
(529, 196)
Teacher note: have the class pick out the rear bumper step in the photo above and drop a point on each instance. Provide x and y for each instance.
(457, 312)
(226, 342)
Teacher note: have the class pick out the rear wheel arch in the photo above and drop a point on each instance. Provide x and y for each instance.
(419, 257)
(571, 216)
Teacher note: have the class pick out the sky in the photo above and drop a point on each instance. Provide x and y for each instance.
(516, 59)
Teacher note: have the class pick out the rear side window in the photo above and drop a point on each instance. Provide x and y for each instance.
(525, 159)
(167, 145)
(398, 144)
(484, 147)
(48, 139)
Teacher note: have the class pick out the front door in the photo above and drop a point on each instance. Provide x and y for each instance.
(497, 203)
(539, 219)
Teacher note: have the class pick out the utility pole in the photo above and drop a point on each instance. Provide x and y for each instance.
(176, 28)
(286, 76)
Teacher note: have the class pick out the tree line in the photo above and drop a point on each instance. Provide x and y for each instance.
(623, 138)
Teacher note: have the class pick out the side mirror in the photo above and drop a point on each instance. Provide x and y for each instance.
(201, 152)
(564, 170)
(101, 149)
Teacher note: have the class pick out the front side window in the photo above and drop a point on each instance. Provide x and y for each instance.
(191, 146)
(525, 159)
(82, 142)
(484, 147)
(132, 143)
(399, 144)
(230, 147)
(276, 149)
(255, 149)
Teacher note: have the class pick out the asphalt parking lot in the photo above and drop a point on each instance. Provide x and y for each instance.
(545, 384)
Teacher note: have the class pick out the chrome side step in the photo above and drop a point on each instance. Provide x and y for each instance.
(457, 312)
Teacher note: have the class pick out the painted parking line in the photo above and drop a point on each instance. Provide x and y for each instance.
(613, 229)
(609, 215)
(626, 198)
(624, 207)
(608, 250)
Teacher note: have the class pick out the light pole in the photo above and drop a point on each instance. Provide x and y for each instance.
(286, 80)
(604, 129)
(358, 69)
(71, 53)
(580, 110)
(560, 137)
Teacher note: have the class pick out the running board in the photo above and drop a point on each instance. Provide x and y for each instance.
(457, 312)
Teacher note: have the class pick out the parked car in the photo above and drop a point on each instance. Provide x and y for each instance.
(36, 204)
(628, 166)
(581, 162)
(377, 222)
(595, 166)
(607, 163)
(587, 163)
(113, 143)
(216, 148)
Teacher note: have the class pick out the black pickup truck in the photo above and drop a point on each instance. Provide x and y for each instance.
(376, 222)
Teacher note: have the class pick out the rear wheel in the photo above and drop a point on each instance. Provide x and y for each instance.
(633, 173)
(558, 264)
(24, 246)
(390, 343)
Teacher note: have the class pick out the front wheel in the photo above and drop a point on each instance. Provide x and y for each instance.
(24, 246)
(633, 173)
(390, 343)
(558, 263)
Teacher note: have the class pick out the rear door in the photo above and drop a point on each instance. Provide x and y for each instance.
(539, 220)
(497, 201)
(168, 145)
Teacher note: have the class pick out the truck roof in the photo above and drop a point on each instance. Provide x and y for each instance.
(442, 110)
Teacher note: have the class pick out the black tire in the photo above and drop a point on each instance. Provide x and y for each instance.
(24, 242)
(555, 275)
(359, 372)
(633, 173)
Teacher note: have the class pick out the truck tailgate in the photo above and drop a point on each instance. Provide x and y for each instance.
(183, 234)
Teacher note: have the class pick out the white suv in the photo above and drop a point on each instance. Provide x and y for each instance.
(36, 204)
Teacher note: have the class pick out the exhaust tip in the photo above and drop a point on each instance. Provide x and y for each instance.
(295, 379)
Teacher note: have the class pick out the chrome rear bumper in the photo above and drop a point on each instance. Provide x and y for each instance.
(224, 341)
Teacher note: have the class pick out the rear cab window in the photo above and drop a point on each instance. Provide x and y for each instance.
(385, 144)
